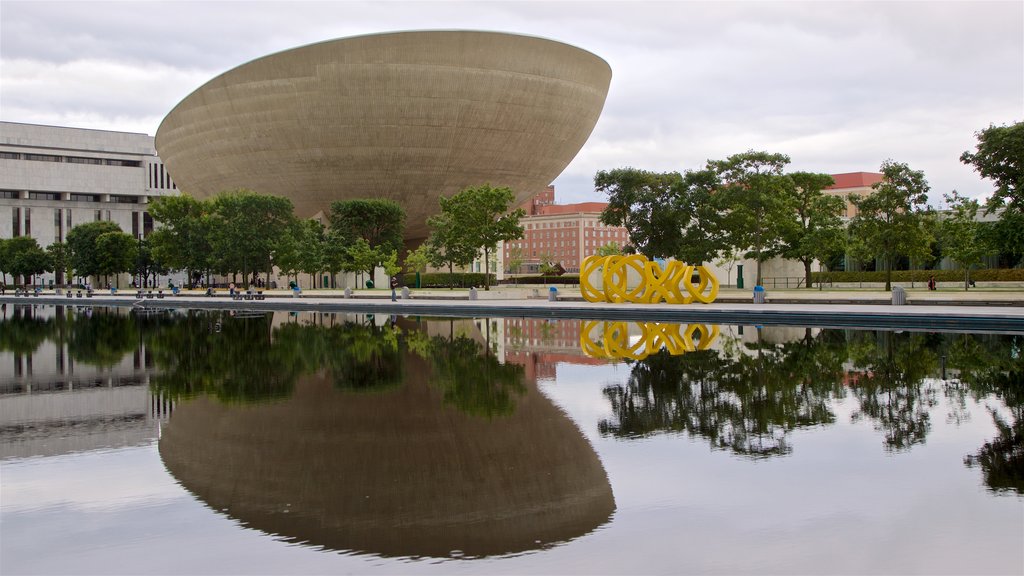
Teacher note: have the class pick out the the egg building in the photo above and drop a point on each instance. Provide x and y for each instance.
(407, 116)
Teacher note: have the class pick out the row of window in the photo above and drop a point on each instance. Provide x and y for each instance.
(73, 197)
(69, 159)
(565, 224)
(21, 221)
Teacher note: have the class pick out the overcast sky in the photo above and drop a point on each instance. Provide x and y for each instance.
(839, 87)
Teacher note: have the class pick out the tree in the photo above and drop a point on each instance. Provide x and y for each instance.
(758, 202)
(818, 231)
(417, 261)
(82, 240)
(728, 259)
(311, 237)
(890, 221)
(390, 264)
(998, 156)
(380, 222)
(5, 261)
(183, 240)
(246, 228)
(640, 202)
(361, 257)
(609, 249)
(447, 245)
(147, 265)
(963, 239)
(1007, 237)
(478, 218)
(515, 260)
(287, 254)
(60, 258)
(115, 253)
(335, 254)
(697, 212)
(26, 258)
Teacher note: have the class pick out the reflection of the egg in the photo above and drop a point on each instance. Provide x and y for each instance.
(638, 340)
(399, 472)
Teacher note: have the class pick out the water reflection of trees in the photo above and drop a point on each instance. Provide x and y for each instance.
(747, 403)
(249, 359)
(747, 397)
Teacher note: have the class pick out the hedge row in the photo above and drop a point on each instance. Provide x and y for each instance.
(446, 280)
(985, 275)
(567, 279)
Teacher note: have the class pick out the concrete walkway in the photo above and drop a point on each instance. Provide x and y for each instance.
(975, 311)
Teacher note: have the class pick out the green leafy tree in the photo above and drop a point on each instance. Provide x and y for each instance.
(116, 252)
(60, 259)
(184, 239)
(26, 258)
(417, 260)
(998, 157)
(335, 254)
(818, 231)
(312, 238)
(361, 257)
(246, 228)
(287, 255)
(891, 221)
(390, 264)
(82, 240)
(609, 249)
(378, 222)
(963, 239)
(447, 246)
(5, 261)
(640, 202)
(515, 260)
(697, 212)
(1006, 236)
(728, 260)
(758, 201)
(147, 265)
(480, 219)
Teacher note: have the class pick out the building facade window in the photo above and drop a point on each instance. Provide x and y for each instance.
(16, 221)
(28, 221)
(43, 157)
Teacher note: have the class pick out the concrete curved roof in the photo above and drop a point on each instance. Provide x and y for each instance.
(396, 473)
(407, 116)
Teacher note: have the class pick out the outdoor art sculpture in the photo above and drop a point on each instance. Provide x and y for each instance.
(634, 278)
(618, 340)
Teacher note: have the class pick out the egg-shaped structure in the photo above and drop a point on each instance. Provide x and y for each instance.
(406, 116)
(397, 471)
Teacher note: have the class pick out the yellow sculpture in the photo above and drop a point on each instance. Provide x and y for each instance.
(613, 340)
(651, 284)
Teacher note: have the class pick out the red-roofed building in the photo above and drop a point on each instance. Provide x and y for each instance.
(853, 183)
(561, 233)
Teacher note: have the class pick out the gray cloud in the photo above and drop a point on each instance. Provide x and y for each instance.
(839, 87)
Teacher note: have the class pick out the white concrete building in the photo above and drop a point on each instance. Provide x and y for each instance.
(53, 178)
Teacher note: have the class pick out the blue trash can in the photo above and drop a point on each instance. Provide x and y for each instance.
(552, 294)
(759, 294)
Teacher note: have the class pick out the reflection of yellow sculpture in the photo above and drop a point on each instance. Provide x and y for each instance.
(612, 339)
(606, 279)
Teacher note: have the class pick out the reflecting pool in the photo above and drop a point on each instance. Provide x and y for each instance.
(187, 442)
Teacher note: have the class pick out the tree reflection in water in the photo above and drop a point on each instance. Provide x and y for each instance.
(249, 359)
(747, 397)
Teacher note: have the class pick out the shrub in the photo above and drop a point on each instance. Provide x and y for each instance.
(568, 279)
(983, 275)
(446, 280)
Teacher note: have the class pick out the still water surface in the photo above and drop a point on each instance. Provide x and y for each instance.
(193, 442)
